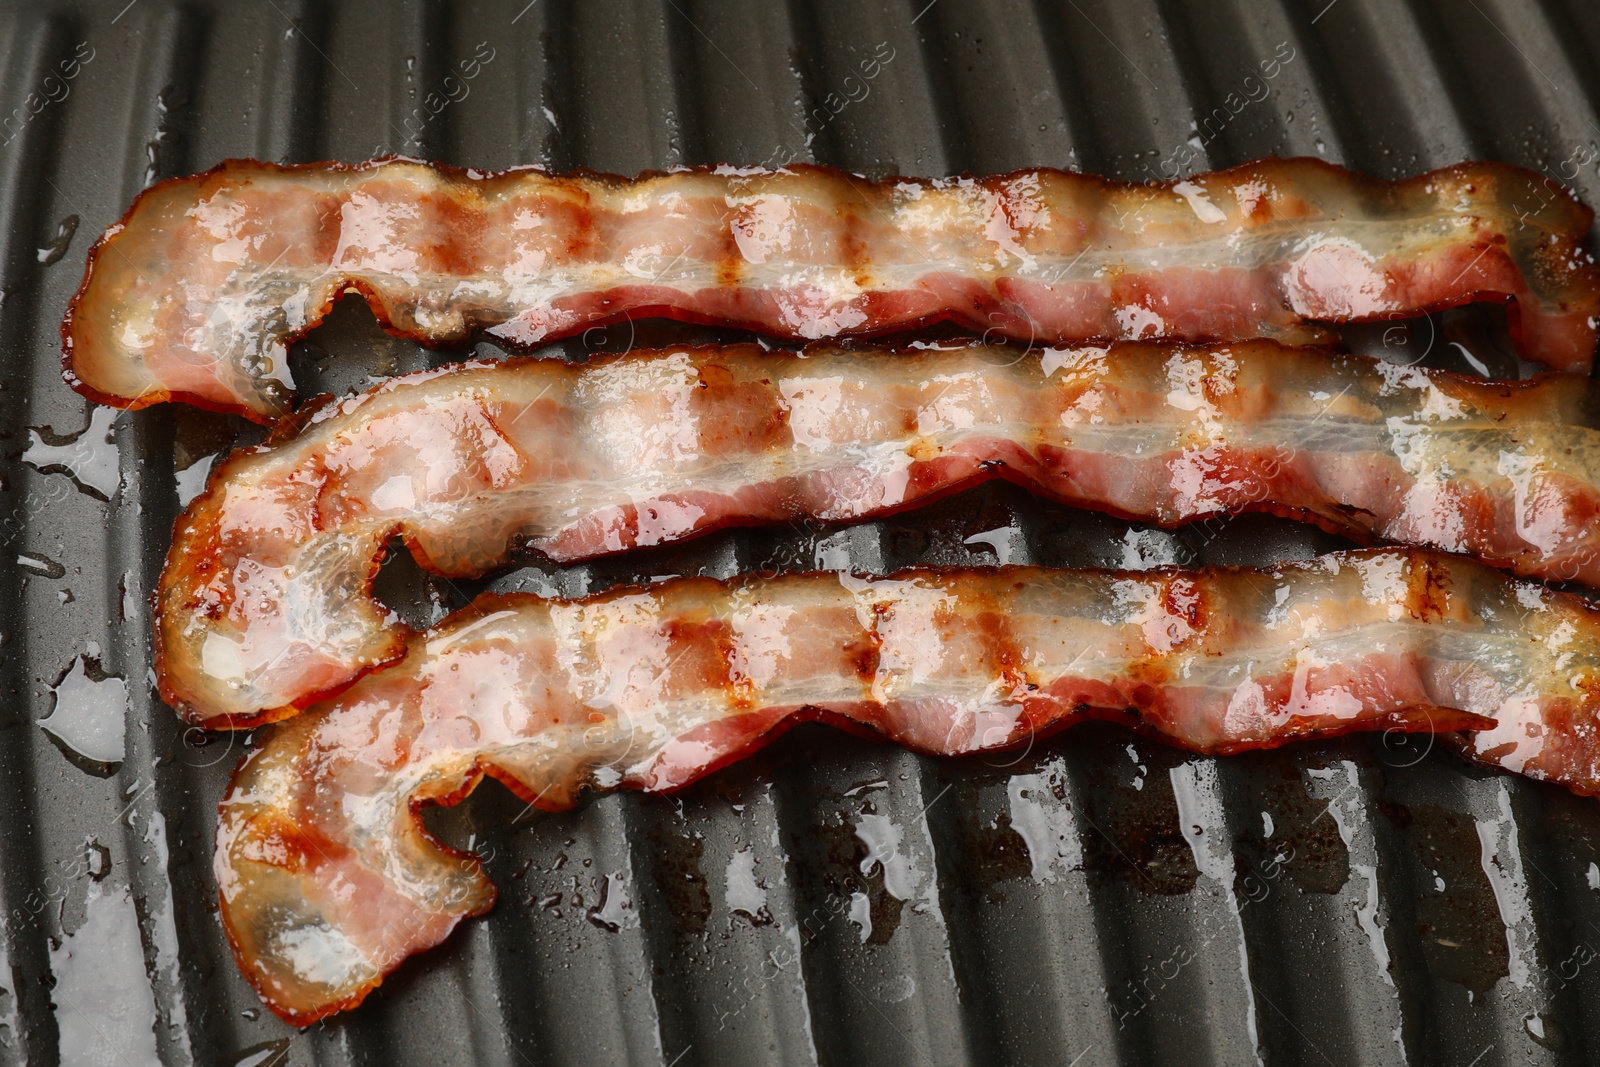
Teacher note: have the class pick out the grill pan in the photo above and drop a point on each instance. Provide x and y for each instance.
(1095, 899)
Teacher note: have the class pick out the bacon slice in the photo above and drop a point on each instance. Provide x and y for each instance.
(329, 880)
(197, 293)
(266, 601)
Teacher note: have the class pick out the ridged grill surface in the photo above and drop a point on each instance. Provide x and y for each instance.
(1093, 900)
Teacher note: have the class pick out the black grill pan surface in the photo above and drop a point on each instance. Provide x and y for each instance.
(1095, 899)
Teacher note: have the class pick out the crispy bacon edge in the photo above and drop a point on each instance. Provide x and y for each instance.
(1562, 253)
(263, 819)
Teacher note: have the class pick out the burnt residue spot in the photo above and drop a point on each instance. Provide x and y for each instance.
(991, 850)
(1574, 822)
(837, 864)
(1304, 842)
(677, 868)
(942, 533)
(1458, 920)
(827, 854)
(40, 564)
(904, 543)
(1317, 859)
(865, 655)
(730, 257)
(1396, 813)
(1131, 831)
(855, 246)
(198, 433)
(999, 854)
(1428, 587)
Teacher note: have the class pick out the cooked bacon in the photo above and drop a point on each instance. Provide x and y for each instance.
(329, 880)
(197, 293)
(266, 603)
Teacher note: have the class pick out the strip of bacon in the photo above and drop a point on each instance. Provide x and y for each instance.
(266, 603)
(197, 293)
(329, 880)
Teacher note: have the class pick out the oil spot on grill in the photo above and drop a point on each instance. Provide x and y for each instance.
(1396, 812)
(678, 854)
(891, 880)
(837, 865)
(89, 457)
(1458, 920)
(167, 145)
(962, 529)
(1575, 822)
(999, 854)
(746, 894)
(1301, 825)
(882, 916)
(992, 851)
(615, 910)
(1130, 835)
(88, 718)
(265, 1054)
(52, 252)
(904, 543)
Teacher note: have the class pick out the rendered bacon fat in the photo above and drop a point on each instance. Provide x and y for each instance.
(329, 881)
(196, 294)
(266, 601)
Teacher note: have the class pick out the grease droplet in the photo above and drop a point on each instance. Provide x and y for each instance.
(616, 909)
(57, 247)
(266, 1054)
(89, 714)
(89, 457)
(40, 564)
(104, 1004)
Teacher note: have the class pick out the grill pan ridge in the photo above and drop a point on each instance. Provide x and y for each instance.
(1094, 899)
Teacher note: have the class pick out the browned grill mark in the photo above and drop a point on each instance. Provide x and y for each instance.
(730, 261)
(1002, 653)
(855, 251)
(739, 689)
(1427, 586)
(580, 220)
(458, 229)
(865, 652)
